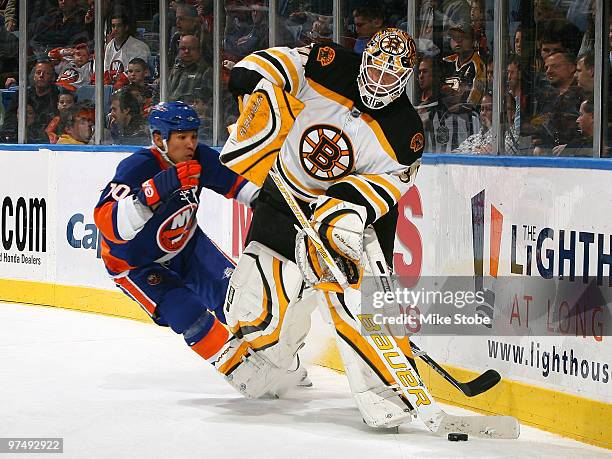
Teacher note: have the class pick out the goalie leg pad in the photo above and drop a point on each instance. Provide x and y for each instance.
(269, 319)
(372, 386)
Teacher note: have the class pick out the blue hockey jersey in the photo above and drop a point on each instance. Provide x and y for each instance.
(135, 236)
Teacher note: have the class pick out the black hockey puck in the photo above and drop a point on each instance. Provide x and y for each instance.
(457, 437)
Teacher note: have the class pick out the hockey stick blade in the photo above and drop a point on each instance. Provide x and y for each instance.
(476, 386)
(482, 383)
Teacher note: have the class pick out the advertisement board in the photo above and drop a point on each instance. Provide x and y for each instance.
(27, 216)
(538, 243)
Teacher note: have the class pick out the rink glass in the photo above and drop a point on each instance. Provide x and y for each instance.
(530, 121)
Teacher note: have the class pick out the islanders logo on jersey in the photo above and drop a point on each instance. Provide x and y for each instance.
(174, 232)
(326, 152)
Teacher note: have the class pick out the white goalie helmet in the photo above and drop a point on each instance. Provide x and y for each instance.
(386, 66)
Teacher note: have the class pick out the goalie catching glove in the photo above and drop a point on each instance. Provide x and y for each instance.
(160, 188)
(340, 225)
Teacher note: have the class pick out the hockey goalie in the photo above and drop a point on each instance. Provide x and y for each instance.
(330, 136)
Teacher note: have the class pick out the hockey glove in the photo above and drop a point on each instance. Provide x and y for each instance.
(340, 226)
(165, 183)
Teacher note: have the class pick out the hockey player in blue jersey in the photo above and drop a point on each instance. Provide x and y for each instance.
(152, 245)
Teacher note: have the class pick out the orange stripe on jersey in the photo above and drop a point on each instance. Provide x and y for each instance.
(137, 294)
(291, 67)
(267, 67)
(103, 217)
(380, 135)
(386, 184)
(112, 263)
(329, 94)
(212, 342)
(232, 192)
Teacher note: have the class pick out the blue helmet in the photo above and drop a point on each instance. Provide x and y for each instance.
(167, 117)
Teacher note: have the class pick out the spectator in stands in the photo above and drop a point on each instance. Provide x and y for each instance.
(459, 120)
(188, 22)
(518, 40)
(63, 26)
(190, 71)
(34, 134)
(201, 101)
(76, 66)
(9, 55)
(138, 73)
(557, 111)
(123, 47)
(480, 143)
(36, 9)
(429, 107)
(559, 35)
(582, 146)
(464, 69)
(42, 96)
(76, 125)
(128, 126)
(479, 26)
(513, 82)
(368, 21)
(65, 100)
(585, 72)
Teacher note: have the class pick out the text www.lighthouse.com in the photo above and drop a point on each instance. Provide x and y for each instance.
(549, 360)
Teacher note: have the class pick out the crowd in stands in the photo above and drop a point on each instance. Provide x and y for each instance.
(548, 85)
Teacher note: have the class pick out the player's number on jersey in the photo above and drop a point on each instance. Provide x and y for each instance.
(118, 191)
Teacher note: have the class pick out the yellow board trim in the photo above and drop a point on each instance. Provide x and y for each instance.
(568, 415)
(70, 297)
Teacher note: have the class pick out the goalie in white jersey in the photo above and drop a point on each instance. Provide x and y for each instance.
(341, 132)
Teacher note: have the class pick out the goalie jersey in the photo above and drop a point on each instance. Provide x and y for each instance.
(336, 145)
(132, 240)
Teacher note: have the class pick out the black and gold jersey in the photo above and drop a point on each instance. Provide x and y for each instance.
(336, 145)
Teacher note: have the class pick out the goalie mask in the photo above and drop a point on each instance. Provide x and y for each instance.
(386, 66)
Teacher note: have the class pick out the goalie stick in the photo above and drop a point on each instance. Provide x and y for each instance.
(408, 381)
(378, 264)
(478, 385)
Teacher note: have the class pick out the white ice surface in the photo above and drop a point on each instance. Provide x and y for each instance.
(115, 388)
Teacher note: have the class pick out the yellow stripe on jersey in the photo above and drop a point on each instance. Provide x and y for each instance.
(386, 184)
(380, 206)
(329, 94)
(380, 135)
(273, 72)
(289, 65)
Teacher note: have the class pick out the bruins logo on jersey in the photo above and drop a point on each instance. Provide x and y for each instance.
(417, 142)
(326, 55)
(326, 152)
